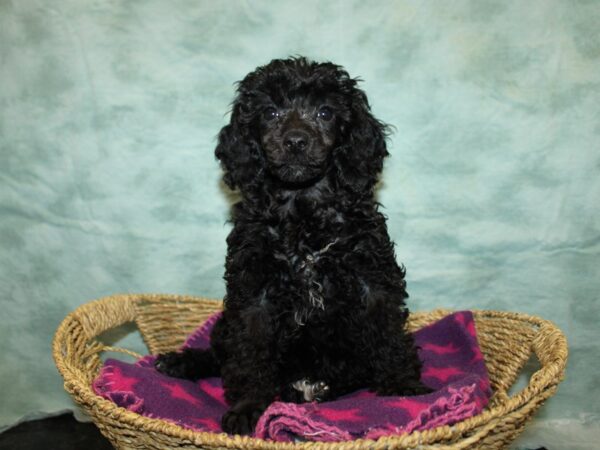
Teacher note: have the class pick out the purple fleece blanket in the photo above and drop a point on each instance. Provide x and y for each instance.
(452, 365)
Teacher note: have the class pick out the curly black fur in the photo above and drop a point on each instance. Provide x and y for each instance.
(314, 293)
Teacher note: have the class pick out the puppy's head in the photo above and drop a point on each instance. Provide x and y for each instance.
(296, 122)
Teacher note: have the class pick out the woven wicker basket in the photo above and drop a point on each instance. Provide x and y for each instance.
(507, 341)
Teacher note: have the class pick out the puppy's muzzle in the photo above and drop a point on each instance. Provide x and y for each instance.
(296, 140)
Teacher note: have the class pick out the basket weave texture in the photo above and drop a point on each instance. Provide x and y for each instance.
(507, 340)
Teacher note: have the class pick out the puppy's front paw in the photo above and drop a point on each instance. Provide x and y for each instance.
(173, 364)
(310, 391)
(242, 417)
(320, 390)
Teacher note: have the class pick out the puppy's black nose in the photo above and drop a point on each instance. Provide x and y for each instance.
(296, 140)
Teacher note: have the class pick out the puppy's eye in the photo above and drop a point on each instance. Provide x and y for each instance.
(325, 113)
(270, 113)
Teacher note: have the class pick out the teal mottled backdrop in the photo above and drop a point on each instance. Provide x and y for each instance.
(108, 117)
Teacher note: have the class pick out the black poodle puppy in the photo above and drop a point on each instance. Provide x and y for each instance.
(315, 299)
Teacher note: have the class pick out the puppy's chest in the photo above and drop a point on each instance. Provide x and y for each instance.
(303, 247)
(307, 252)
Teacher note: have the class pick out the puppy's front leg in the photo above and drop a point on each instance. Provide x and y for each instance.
(249, 394)
(250, 371)
(242, 417)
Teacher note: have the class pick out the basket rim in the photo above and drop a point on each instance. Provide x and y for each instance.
(546, 379)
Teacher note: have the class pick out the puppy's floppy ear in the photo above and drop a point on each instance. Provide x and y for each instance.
(239, 152)
(359, 159)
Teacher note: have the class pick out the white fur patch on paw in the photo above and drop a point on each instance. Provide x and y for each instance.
(311, 391)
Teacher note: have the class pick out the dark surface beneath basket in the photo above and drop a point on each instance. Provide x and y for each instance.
(54, 433)
(59, 433)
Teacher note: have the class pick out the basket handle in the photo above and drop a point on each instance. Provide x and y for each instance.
(106, 313)
(74, 346)
(109, 348)
(550, 347)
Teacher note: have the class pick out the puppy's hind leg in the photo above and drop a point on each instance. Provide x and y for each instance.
(399, 371)
(190, 364)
